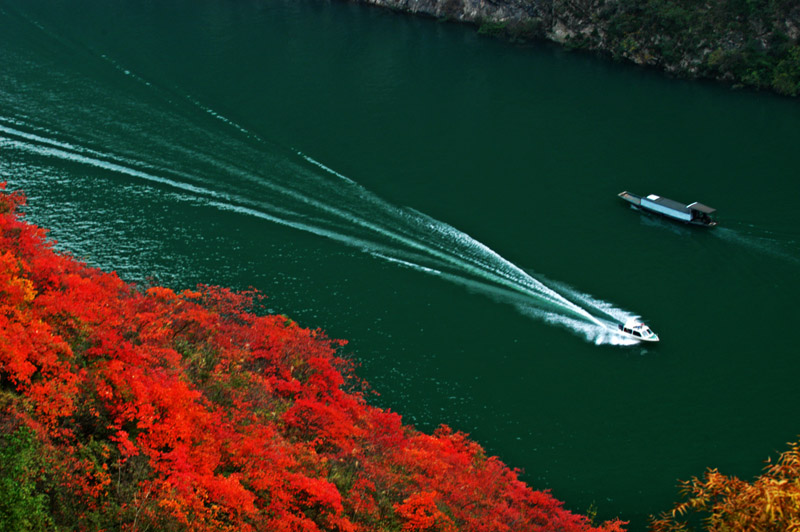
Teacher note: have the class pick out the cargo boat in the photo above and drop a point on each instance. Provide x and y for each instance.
(695, 213)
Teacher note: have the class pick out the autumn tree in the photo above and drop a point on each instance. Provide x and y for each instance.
(152, 409)
(721, 503)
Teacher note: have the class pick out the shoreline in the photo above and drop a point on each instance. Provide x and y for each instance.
(753, 47)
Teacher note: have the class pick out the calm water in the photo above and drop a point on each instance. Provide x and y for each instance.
(448, 204)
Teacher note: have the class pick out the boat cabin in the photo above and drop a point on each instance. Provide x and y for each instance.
(701, 213)
(638, 330)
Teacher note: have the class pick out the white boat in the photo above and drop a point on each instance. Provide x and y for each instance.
(637, 330)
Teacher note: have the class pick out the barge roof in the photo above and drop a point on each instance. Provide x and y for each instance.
(670, 204)
(697, 206)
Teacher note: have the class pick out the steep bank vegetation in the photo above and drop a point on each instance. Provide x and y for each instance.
(753, 43)
(745, 42)
(147, 409)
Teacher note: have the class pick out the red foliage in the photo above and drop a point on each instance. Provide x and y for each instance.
(188, 410)
(420, 513)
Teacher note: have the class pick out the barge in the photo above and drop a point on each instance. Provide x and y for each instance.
(694, 213)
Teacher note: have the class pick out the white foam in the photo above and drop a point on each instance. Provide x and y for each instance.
(408, 264)
(605, 309)
(596, 333)
(59, 153)
(320, 165)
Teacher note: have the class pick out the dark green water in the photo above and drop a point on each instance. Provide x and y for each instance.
(187, 142)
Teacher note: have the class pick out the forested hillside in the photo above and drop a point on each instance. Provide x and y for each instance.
(750, 43)
(146, 409)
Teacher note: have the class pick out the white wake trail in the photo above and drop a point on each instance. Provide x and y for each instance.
(308, 199)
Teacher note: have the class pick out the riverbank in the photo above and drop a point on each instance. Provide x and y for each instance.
(744, 43)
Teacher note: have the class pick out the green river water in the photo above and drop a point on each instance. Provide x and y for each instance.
(447, 203)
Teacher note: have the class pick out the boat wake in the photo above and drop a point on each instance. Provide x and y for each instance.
(761, 241)
(326, 203)
(592, 332)
(234, 169)
(601, 331)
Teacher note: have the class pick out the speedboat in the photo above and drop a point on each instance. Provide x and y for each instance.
(637, 330)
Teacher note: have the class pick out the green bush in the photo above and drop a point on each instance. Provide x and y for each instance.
(786, 76)
(22, 508)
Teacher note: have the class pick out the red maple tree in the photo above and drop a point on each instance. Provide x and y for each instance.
(163, 410)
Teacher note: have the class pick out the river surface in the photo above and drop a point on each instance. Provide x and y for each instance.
(447, 203)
